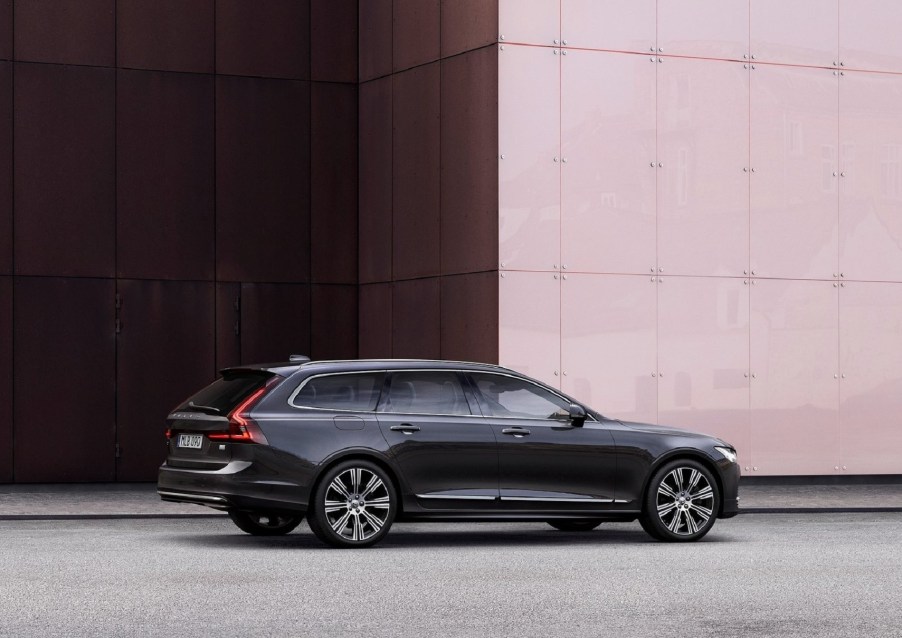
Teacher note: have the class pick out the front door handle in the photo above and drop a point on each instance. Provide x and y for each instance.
(406, 428)
(517, 432)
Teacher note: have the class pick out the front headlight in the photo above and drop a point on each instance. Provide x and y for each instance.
(728, 452)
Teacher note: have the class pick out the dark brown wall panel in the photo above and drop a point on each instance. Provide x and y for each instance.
(334, 322)
(468, 24)
(66, 31)
(6, 168)
(6, 378)
(165, 175)
(262, 179)
(416, 32)
(375, 207)
(375, 41)
(333, 40)
(374, 321)
(415, 169)
(165, 353)
(333, 183)
(469, 183)
(416, 318)
(64, 375)
(170, 35)
(266, 39)
(228, 325)
(64, 170)
(6, 29)
(275, 321)
(470, 317)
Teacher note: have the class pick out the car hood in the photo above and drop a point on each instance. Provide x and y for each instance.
(663, 429)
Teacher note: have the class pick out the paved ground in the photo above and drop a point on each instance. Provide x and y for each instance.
(140, 499)
(755, 575)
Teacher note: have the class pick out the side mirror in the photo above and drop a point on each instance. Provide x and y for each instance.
(577, 415)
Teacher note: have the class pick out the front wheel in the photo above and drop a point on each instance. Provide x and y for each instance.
(681, 503)
(353, 505)
(264, 523)
(576, 525)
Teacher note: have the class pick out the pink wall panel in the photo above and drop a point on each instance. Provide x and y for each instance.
(618, 25)
(704, 28)
(530, 21)
(703, 186)
(869, 34)
(608, 177)
(797, 32)
(529, 170)
(794, 386)
(870, 410)
(793, 215)
(703, 357)
(870, 183)
(608, 343)
(529, 324)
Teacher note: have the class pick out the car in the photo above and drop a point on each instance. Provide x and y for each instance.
(356, 445)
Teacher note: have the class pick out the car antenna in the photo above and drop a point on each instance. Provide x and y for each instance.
(299, 358)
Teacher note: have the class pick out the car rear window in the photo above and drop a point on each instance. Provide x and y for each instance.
(358, 392)
(226, 393)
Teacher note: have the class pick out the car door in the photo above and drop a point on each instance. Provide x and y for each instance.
(545, 461)
(445, 450)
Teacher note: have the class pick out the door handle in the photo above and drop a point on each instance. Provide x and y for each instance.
(518, 432)
(406, 428)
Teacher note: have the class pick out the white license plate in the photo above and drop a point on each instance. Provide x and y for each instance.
(191, 440)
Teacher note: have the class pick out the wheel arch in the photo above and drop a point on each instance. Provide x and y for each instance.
(365, 455)
(690, 454)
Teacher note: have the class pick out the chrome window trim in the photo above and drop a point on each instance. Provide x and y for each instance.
(298, 389)
(552, 499)
(457, 498)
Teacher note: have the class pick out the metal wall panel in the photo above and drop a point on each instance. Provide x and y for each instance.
(275, 321)
(333, 183)
(416, 32)
(228, 325)
(66, 31)
(794, 386)
(374, 321)
(703, 184)
(6, 29)
(165, 353)
(469, 160)
(64, 380)
(375, 40)
(615, 25)
(6, 378)
(375, 175)
(333, 322)
(529, 175)
(468, 25)
(6, 168)
(793, 212)
(869, 35)
(264, 39)
(704, 28)
(170, 35)
(608, 175)
(798, 32)
(65, 171)
(870, 408)
(333, 40)
(870, 182)
(530, 21)
(416, 172)
(262, 179)
(703, 357)
(609, 344)
(416, 319)
(529, 324)
(469, 323)
(164, 157)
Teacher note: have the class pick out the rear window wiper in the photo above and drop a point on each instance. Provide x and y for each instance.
(209, 409)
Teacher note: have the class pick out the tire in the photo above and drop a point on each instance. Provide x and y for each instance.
(353, 505)
(576, 524)
(682, 502)
(265, 523)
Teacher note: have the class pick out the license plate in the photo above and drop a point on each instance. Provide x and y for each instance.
(191, 440)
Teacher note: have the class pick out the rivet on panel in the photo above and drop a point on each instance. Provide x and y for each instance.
(842, 64)
(652, 269)
(660, 165)
(660, 374)
(753, 56)
(754, 282)
(842, 285)
(501, 47)
(746, 468)
(842, 73)
(502, 156)
(834, 62)
(502, 275)
(754, 376)
(563, 42)
(654, 374)
(652, 164)
(834, 285)
(661, 269)
(745, 56)
(556, 42)
(843, 467)
(753, 272)
(843, 174)
(565, 266)
(745, 169)
(745, 272)
(745, 282)
(564, 277)
(755, 468)
(746, 375)
(660, 280)
(835, 376)
(565, 373)
(836, 467)
(501, 37)
(753, 170)
(554, 266)
(835, 73)
(652, 49)
(554, 51)
(653, 279)
(564, 160)
(651, 59)
(660, 60)
(555, 276)
(503, 264)
(563, 53)
(843, 376)
(555, 159)
(745, 66)
(834, 275)
(834, 173)
(753, 67)
(842, 274)
(555, 373)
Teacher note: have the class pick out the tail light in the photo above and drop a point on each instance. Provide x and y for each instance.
(242, 428)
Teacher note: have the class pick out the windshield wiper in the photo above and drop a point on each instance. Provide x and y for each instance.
(209, 409)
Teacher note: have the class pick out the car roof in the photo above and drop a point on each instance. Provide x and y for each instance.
(287, 368)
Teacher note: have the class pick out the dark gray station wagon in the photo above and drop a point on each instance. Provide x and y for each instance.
(357, 445)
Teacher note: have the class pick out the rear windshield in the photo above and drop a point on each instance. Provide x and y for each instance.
(226, 393)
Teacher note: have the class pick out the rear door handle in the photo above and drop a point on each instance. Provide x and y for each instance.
(518, 432)
(406, 428)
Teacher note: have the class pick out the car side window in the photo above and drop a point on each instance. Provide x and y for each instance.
(517, 398)
(356, 392)
(425, 392)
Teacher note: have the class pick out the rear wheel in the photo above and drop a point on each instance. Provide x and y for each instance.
(354, 505)
(576, 525)
(265, 523)
(681, 503)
